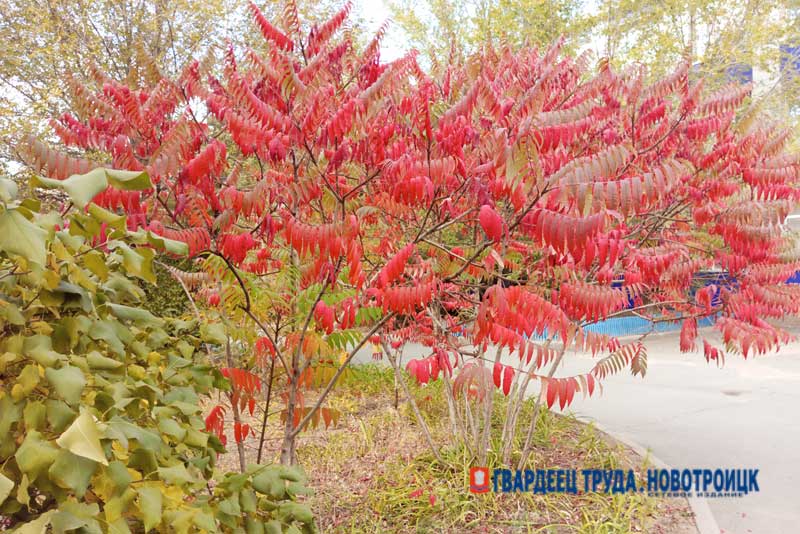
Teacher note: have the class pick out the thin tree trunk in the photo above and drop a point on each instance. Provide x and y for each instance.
(518, 402)
(288, 445)
(526, 449)
(487, 417)
(420, 420)
(237, 418)
(266, 410)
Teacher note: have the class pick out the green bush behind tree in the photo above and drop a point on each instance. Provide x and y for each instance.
(100, 399)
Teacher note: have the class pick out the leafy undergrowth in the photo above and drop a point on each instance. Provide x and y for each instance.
(375, 473)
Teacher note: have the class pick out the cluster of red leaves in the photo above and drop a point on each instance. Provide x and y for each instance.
(590, 302)
(215, 423)
(491, 223)
(245, 386)
(508, 313)
(395, 266)
(563, 389)
(209, 162)
(503, 375)
(533, 171)
(349, 312)
(328, 240)
(426, 369)
(324, 316)
(236, 246)
(264, 350)
(404, 300)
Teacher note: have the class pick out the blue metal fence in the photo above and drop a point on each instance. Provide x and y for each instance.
(633, 325)
(636, 326)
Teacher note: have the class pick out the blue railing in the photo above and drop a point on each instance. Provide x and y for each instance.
(637, 326)
(633, 325)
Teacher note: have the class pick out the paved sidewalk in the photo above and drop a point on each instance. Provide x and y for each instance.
(692, 414)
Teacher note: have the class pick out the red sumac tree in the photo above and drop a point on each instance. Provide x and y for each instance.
(507, 202)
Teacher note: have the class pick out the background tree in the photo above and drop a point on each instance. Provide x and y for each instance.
(132, 41)
(723, 41)
(440, 27)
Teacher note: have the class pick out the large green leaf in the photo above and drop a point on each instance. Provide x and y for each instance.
(59, 415)
(83, 439)
(82, 188)
(11, 313)
(110, 218)
(172, 428)
(205, 521)
(137, 315)
(269, 483)
(74, 515)
(20, 236)
(118, 474)
(179, 248)
(297, 511)
(73, 472)
(68, 382)
(150, 504)
(98, 361)
(35, 455)
(96, 262)
(26, 382)
(129, 180)
(177, 474)
(213, 333)
(138, 262)
(106, 331)
(127, 430)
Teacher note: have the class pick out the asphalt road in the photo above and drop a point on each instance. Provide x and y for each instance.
(692, 414)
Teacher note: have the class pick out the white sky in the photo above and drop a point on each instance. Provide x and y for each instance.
(375, 13)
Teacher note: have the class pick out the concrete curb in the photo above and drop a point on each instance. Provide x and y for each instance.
(703, 518)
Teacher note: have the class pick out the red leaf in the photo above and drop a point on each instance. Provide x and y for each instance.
(491, 223)
(508, 378)
(562, 393)
(688, 334)
(552, 391)
(572, 385)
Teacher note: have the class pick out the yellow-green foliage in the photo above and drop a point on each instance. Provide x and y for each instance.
(100, 400)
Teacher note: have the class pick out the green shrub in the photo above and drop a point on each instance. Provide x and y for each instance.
(100, 400)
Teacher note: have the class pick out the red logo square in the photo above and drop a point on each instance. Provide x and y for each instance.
(479, 479)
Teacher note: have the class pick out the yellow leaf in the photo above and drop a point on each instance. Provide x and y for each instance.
(83, 439)
(41, 327)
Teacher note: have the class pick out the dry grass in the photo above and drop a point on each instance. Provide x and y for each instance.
(375, 473)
